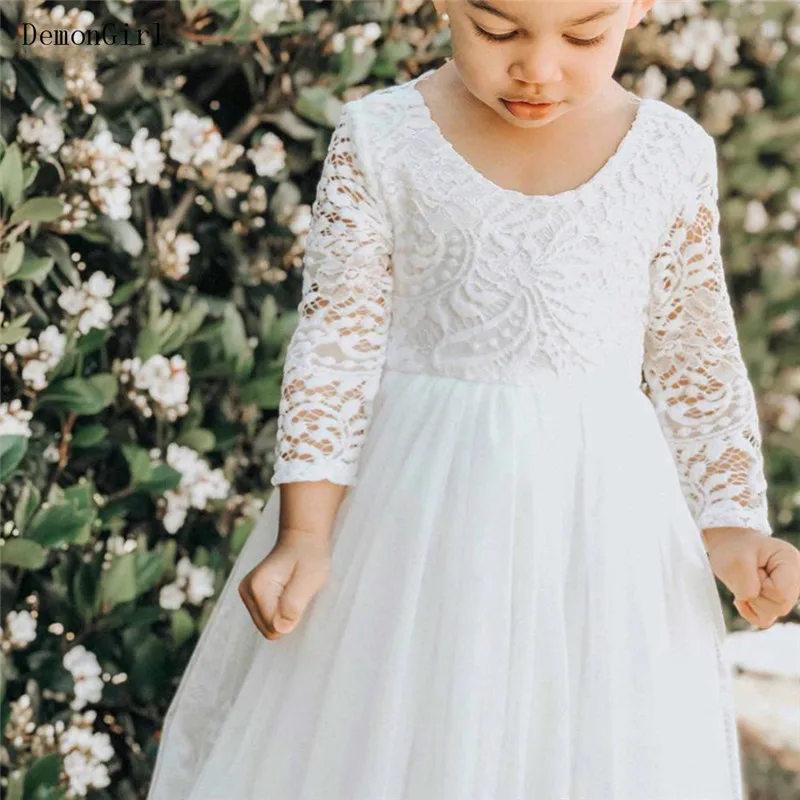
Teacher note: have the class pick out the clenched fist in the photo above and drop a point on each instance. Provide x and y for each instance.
(280, 587)
(763, 572)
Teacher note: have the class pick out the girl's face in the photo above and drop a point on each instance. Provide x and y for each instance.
(562, 52)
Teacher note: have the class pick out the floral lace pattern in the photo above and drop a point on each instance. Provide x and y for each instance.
(695, 371)
(424, 265)
(335, 354)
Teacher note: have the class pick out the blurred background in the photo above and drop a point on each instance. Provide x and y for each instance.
(154, 199)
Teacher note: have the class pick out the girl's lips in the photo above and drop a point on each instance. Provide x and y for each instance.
(529, 110)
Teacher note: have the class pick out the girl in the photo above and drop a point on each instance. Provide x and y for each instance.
(495, 544)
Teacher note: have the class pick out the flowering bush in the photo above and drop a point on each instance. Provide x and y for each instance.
(154, 202)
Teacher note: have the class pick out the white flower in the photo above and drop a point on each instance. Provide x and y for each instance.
(177, 509)
(34, 373)
(21, 627)
(40, 356)
(268, 156)
(198, 581)
(148, 157)
(46, 132)
(115, 201)
(756, 218)
(86, 753)
(89, 301)
(14, 419)
(653, 83)
(794, 198)
(787, 221)
(72, 300)
(159, 386)
(86, 671)
(171, 597)
(665, 11)
(174, 250)
(193, 140)
(300, 220)
(788, 259)
(87, 690)
(166, 380)
(104, 167)
(81, 663)
(700, 41)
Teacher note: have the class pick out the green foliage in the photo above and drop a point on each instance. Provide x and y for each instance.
(150, 283)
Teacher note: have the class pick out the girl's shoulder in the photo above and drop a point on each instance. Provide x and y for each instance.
(680, 139)
(381, 110)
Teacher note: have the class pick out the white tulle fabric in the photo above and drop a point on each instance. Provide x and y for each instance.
(520, 604)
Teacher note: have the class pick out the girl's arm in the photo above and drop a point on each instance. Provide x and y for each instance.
(693, 366)
(337, 351)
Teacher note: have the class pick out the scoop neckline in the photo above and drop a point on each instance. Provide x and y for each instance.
(605, 170)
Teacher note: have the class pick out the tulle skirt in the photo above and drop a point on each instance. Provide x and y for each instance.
(520, 608)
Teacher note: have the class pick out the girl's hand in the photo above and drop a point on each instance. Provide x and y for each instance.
(762, 572)
(278, 589)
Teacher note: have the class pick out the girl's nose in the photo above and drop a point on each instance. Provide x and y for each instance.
(538, 63)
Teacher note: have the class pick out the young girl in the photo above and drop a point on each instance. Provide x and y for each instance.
(494, 543)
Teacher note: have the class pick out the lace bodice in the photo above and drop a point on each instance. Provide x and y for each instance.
(417, 262)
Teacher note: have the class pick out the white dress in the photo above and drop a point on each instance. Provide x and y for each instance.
(537, 403)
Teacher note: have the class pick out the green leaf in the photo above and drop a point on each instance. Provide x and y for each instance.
(29, 499)
(89, 436)
(34, 268)
(162, 479)
(15, 330)
(81, 495)
(38, 209)
(148, 344)
(44, 773)
(319, 105)
(92, 340)
(356, 67)
(235, 344)
(23, 553)
(129, 617)
(85, 590)
(241, 533)
(149, 674)
(11, 260)
(139, 464)
(201, 440)
(60, 524)
(225, 8)
(149, 567)
(118, 582)
(11, 175)
(120, 234)
(264, 392)
(16, 784)
(182, 626)
(12, 451)
(124, 293)
(7, 46)
(82, 395)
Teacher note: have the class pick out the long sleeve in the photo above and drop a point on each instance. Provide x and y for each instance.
(693, 366)
(336, 354)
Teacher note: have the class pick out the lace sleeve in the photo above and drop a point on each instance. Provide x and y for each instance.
(693, 367)
(336, 353)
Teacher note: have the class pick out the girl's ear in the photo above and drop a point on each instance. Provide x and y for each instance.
(638, 11)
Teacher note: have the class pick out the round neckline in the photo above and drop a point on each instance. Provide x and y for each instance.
(605, 170)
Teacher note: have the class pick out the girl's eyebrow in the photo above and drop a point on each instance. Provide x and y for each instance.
(483, 5)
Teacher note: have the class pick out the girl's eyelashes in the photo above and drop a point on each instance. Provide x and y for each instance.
(492, 37)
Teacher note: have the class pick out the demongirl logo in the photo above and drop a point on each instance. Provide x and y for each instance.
(110, 34)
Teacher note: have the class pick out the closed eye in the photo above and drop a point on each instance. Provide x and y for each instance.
(493, 37)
